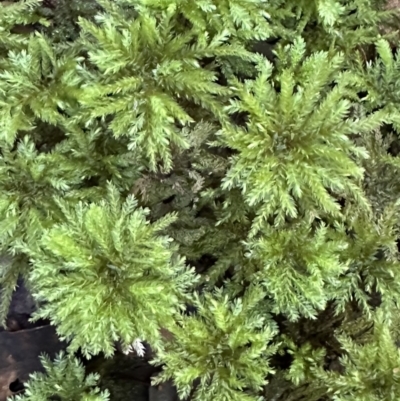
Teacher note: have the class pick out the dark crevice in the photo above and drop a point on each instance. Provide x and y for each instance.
(168, 200)
(16, 386)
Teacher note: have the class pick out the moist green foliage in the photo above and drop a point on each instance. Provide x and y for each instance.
(371, 367)
(65, 379)
(151, 162)
(104, 275)
(299, 267)
(294, 155)
(228, 348)
(13, 16)
(37, 84)
(145, 71)
(345, 25)
(379, 77)
(244, 19)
